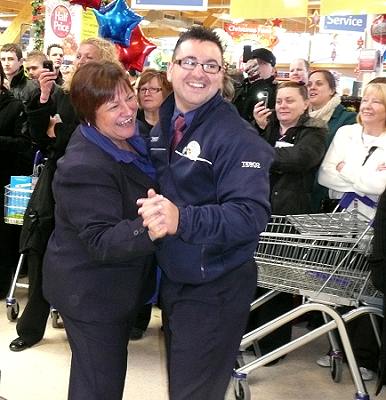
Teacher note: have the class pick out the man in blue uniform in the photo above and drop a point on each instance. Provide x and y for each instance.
(212, 207)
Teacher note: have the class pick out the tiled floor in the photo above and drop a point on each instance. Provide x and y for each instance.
(41, 373)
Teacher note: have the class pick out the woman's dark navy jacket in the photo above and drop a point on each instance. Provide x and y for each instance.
(218, 177)
(99, 255)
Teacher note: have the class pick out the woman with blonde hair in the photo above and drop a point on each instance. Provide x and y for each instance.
(356, 162)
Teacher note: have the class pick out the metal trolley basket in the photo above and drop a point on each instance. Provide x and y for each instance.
(322, 257)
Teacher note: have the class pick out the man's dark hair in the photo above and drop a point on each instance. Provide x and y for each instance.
(199, 33)
(13, 47)
(53, 45)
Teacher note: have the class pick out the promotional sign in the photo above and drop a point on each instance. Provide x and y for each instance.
(348, 23)
(196, 5)
(68, 25)
(369, 60)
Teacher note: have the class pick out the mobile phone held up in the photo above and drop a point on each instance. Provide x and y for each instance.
(48, 64)
(263, 96)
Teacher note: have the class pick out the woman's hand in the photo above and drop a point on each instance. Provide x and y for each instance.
(261, 114)
(381, 167)
(46, 81)
(340, 166)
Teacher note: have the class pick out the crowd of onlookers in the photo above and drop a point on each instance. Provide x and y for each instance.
(320, 151)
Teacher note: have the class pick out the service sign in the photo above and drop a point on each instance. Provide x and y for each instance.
(195, 5)
(348, 23)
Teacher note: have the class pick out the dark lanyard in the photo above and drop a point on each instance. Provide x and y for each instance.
(371, 151)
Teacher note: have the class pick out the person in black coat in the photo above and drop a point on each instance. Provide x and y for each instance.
(99, 256)
(13, 140)
(261, 78)
(299, 143)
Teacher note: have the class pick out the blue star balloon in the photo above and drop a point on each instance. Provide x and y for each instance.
(117, 21)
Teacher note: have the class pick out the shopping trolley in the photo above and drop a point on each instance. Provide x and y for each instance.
(322, 257)
(15, 204)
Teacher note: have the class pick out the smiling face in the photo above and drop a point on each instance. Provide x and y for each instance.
(372, 110)
(319, 90)
(116, 118)
(193, 88)
(290, 105)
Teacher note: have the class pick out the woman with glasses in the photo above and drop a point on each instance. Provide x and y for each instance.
(153, 88)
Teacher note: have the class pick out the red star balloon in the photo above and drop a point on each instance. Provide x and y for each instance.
(88, 3)
(134, 56)
(277, 22)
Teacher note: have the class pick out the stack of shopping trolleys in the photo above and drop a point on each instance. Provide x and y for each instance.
(324, 258)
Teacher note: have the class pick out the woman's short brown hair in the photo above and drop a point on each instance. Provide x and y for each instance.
(94, 84)
(150, 73)
(297, 85)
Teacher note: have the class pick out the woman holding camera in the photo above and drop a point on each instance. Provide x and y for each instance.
(299, 143)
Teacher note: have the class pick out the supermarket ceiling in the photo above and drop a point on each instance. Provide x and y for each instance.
(168, 23)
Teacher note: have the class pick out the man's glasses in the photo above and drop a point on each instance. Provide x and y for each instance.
(151, 90)
(189, 64)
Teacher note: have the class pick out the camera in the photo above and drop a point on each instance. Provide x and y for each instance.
(263, 96)
(48, 64)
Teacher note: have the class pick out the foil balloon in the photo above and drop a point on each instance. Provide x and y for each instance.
(134, 56)
(88, 3)
(117, 21)
(378, 29)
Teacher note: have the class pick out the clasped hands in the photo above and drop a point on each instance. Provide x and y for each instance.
(159, 215)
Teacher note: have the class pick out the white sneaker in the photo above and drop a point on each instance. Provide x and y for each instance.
(367, 374)
(323, 361)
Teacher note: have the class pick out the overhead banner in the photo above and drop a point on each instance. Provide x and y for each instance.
(348, 23)
(195, 5)
(351, 7)
(261, 9)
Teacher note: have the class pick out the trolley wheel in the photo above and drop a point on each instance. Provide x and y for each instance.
(13, 311)
(56, 319)
(336, 368)
(241, 390)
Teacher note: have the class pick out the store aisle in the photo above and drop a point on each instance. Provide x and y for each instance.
(41, 373)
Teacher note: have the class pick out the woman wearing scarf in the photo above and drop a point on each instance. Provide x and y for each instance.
(99, 256)
(325, 104)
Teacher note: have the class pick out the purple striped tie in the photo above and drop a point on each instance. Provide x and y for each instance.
(179, 126)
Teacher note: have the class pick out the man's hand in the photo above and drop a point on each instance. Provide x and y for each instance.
(46, 81)
(159, 215)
